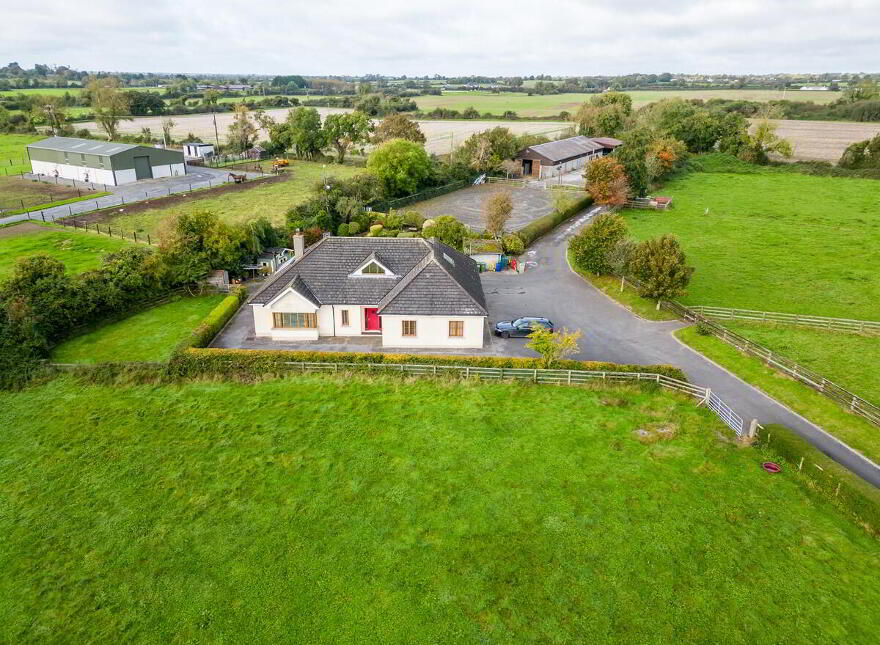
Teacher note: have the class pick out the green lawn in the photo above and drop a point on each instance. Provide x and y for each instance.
(323, 510)
(13, 153)
(147, 336)
(80, 251)
(775, 241)
(824, 412)
(272, 200)
(846, 359)
(550, 104)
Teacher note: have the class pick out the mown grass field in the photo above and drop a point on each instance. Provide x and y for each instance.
(78, 250)
(150, 335)
(13, 153)
(325, 510)
(775, 241)
(550, 104)
(271, 200)
(827, 414)
(846, 359)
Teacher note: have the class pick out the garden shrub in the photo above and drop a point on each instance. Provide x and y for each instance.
(343, 230)
(215, 320)
(513, 244)
(354, 227)
(414, 219)
(543, 225)
(375, 229)
(855, 495)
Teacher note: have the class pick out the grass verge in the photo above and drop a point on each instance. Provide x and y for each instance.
(629, 297)
(351, 510)
(850, 429)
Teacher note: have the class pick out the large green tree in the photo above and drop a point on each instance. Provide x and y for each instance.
(592, 246)
(661, 267)
(242, 131)
(344, 131)
(109, 103)
(447, 229)
(606, 114)
(398, 126)
(402, 166)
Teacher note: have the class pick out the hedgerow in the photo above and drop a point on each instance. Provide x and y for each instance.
(544, 225)
(215, 320)
(258, 363)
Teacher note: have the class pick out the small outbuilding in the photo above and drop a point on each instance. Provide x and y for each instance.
(198, 150)
(102, 162)
(559, 157)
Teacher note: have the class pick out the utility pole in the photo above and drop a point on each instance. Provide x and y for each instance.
(216, 134)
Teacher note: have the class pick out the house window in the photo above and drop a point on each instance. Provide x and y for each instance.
(295, 321)
(456, 328)
(344, 317)
(373, 268)
(409, 327)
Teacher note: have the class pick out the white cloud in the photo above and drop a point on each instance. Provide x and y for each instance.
(454, 37)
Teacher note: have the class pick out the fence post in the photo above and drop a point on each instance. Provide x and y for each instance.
(801, 465)
(148, 240)
(43, 215)
(135, 236)
(69, 211)
(569, 377)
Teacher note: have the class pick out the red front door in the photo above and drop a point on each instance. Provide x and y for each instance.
(372, 320)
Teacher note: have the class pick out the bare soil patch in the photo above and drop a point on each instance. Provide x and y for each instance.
(23, 228)
(13, 189)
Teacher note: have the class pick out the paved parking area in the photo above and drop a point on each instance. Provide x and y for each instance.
(467, 205)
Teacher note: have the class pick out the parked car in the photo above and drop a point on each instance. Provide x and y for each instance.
(521, 326)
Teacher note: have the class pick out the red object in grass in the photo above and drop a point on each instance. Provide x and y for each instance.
(771, 467)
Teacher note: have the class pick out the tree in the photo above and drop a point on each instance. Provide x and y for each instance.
(398, 126)
(167, 126)
(447, 229)
(109, 103)
(763, 142)
(304, 132)
(486, 151)
(346, 130)
(660, 265)
(192, 244)
(242, 131)
(663, 156)
(50, 111)
(496, 212)
(633, 155)
(512, 244)
(865, 90)
(591, 248)
(553, 346)
(606, 181)
(402, 166)
(864, 154)
(604, 114)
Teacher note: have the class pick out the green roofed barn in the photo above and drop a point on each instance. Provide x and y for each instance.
(102, 162)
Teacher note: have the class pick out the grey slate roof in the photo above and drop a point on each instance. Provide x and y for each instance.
(608, 142)
(565, 149)
(85, 146)
(429, 278)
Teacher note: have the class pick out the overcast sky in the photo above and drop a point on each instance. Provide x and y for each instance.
(452, 37)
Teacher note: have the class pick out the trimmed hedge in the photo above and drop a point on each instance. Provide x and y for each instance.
(544, 225)
(855, 495)
(200, 362)
(214, 321)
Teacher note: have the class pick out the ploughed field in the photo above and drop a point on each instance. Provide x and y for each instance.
(352, 510)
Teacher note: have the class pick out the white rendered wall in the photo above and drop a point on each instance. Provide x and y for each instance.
(169, 170)
(126, 176)
(69, 171)
(432, 331)
(355, 320)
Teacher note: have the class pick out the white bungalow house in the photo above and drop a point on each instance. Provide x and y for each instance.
(411, 292)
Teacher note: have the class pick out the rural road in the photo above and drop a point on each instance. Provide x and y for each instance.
(612, 333)
(146, 189)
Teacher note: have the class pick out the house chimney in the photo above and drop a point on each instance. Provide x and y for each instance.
(299, 244)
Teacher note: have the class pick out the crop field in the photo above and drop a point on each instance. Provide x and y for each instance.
(150, 335)
(774, 240)
(271, 200)
(78, 250)
(314, 510)
(823, 140)
(550, 104)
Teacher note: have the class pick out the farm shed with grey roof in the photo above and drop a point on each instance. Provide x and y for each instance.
(556, 157)
(102, 162)
(347, 286)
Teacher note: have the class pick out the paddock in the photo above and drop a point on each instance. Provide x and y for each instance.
(467, 205)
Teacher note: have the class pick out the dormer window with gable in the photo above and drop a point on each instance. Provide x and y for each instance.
(373, 268)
